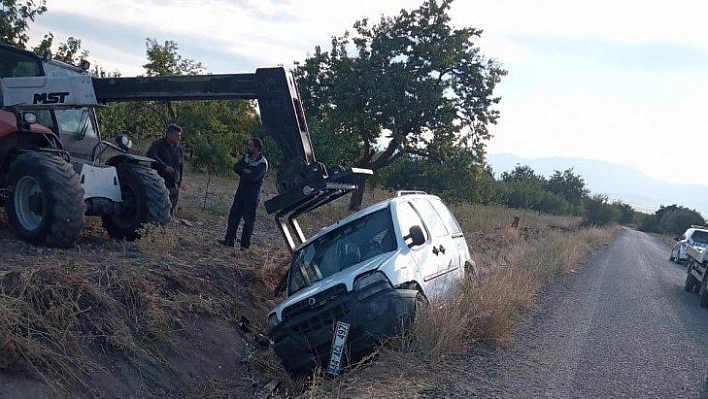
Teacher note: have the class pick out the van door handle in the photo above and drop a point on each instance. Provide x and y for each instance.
(442, 249)
(435, 250)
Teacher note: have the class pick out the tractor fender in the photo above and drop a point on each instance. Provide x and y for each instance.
(129, 158)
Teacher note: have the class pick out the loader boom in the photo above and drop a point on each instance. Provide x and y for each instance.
(306, 183)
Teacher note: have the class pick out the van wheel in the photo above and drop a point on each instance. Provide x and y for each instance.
(421, 303)
(691, 282)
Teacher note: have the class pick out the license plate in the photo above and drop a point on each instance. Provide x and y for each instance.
(339, 341)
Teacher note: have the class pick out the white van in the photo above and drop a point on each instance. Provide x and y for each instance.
(367, 270)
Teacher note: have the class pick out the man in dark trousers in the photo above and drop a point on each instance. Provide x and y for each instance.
(168, 156)
(251, 169)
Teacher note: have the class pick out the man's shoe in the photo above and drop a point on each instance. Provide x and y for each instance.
(225, 243)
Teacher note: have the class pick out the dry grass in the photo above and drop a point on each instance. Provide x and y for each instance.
(489, 305)
(68, 317)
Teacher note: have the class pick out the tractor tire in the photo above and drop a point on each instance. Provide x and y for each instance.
(691, 282)
(46, 203)
(145, 200)
(703, 292)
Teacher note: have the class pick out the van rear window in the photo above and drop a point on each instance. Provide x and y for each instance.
(700, 236)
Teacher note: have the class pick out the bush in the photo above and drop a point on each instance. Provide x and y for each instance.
(676, 221)
(531, 195)
(598, 212)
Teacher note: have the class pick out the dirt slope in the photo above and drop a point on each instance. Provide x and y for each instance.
(164, 316)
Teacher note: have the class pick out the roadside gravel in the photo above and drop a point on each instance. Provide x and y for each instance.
(620, 326)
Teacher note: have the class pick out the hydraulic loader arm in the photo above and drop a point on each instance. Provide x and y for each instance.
(305, 184)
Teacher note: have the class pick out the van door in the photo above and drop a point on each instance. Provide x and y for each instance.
(460, 253)
(425, 260)
(442, 246)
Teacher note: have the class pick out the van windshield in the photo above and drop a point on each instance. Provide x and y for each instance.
(348, 245)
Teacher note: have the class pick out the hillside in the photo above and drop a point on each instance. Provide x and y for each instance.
(615, 180)
(176, 315)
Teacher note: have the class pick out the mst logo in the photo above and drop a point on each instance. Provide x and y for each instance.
(50, 98)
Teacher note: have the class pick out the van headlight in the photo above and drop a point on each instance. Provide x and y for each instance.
(370, 284)
(273, 321)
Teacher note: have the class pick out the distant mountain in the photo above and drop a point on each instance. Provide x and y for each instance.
(618, 182)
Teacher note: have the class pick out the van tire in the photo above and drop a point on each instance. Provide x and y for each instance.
(421, 303)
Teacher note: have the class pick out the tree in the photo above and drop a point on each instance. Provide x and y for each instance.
(523, 173)
(569, 186)
(163, 60)
(15, 17)
(413, 85)
(69, 52)
(676, 221)
(627, 214)
(599, 212)
(215, 131)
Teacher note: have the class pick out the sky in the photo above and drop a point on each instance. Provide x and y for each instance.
(624, 82)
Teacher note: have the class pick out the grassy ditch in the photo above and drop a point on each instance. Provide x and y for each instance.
(164, 316)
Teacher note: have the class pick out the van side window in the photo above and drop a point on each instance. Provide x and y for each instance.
(431, 217)
(408, 217)
(446, 216)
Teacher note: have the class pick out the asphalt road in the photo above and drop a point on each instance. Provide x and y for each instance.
(621, 326)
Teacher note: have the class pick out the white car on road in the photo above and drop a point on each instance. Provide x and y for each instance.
(694, 235)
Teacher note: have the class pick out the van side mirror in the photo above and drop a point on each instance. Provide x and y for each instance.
(415, 233)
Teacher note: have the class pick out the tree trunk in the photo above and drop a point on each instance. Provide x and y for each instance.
(357, 197)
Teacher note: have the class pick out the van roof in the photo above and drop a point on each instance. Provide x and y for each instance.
(371, 209)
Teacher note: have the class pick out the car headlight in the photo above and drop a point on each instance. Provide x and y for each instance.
(273, 321)
(370, 284)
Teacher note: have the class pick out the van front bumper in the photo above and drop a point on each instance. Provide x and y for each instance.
(304, 342)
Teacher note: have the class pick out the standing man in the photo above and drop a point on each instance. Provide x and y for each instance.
(251, 169)
(168, 156)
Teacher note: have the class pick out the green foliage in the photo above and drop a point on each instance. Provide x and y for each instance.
(671, 220)
(599, 212)
(411, 83)
(163, 60)
(69, 52)
(675, 221)
(215, 132)
(15, 17)
(458, 180)
(569, 186)
(212, 152)
(332, 146)
(524, 174)
(627, 215)
(531, 195)
(648, 223)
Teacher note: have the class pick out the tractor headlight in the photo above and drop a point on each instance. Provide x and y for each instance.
(30, 118)
(371, 284)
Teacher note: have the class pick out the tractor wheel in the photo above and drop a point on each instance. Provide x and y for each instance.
(703, 292)
(145, 200)
(46, 203)
(691, 282)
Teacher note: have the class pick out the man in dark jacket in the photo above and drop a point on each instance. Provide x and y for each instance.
(251, 169)
(168, 156)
